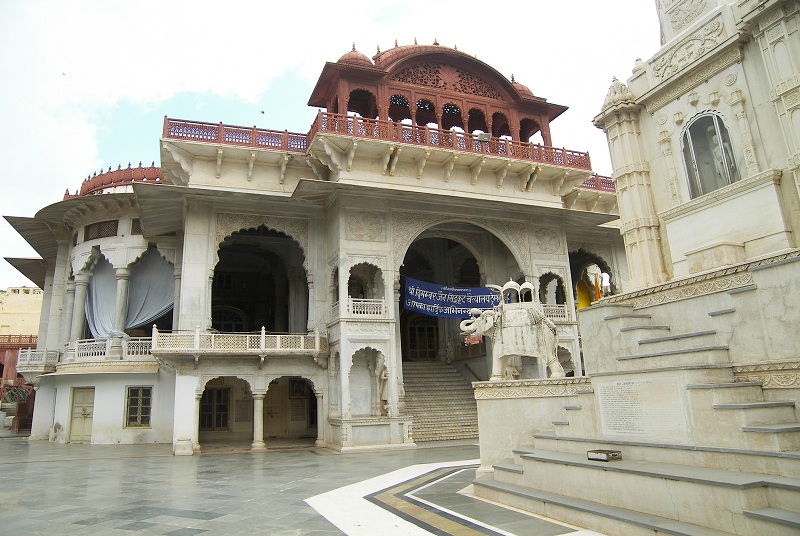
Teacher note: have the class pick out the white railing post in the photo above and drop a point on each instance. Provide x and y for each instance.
(197, 338)
(316, 339)
(262, 344)
(154, 338)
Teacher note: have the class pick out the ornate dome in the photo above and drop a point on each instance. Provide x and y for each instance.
(523, 90)
(355, 57)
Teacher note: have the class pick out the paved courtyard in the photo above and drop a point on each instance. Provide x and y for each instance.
(143, 489)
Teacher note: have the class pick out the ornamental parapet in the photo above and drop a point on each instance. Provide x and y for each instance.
(531, 388)
(117, 178)
(91, 350)
(261, 344)
(33, 363)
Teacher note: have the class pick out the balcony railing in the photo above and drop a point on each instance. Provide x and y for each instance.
(257, 344)
(31, 359)
(178, 129)
(380, 129)
(599, 183)
(16, 341)
(377, 129)
(361, 307)
(99, 349)
(555, 311)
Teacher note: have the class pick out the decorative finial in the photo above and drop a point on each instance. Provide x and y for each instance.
(354, 46)
(395, 42)
(435, 42)
(455, 47)
(379, 49)
(415, 40)
(512, 78)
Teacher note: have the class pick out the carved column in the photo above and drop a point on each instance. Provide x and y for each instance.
(737, 103)
(395, 390)
(79, 309)
(121, 311)
(672, 175)
(69, 309)
(545, 130)
(344, 373)
(196, 427)
(258, 422)
(176, 309)
(640, 227)
(320, 442)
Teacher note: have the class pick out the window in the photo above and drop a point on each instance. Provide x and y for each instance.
(101, 229)
(139, 405)
(214, 408)
(136, 226)
(708, 156)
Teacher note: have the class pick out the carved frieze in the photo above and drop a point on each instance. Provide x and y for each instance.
(690, 49)
(546, 240)
(685, 83)
(530, 388)
(295, 228)
(780, 375)
(406, 226)
(685, 13)
(366, 225)
(447, 77)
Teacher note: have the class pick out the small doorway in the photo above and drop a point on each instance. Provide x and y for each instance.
(82, 414)
(275, 409)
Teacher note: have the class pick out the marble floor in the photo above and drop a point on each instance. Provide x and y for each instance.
(144, 489)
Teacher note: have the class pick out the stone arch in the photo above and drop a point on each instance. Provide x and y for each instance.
(476, 120)
(500, 125)
(582, 258)
(452, 117)
(294, 228)
(552, 289)
(363, 102)
(365, 380)
(567, 360)
(262, 271)
(399, 108)
(370, 279)
(408, 226)
(527, 128)
(425, 112)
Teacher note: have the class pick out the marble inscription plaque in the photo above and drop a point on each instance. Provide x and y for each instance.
(646, 408)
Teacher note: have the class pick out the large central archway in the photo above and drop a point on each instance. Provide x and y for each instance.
(260, 281)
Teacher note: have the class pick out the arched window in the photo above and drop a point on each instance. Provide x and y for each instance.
(707, 153)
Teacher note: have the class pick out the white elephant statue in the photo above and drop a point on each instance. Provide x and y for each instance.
(516, 329)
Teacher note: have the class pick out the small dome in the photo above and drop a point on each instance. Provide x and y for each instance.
(523, 89)
(355, 57)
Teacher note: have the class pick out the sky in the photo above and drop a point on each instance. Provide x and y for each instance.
(85, 85)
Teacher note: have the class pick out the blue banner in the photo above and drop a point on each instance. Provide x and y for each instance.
(449, 302)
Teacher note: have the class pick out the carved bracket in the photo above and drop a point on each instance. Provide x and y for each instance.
(501, 172)
(421, 163)
(219, 160)
(250, 162)
(475, 170)
(385, 159)
(448, 166)
(395, 158)
(284, 161)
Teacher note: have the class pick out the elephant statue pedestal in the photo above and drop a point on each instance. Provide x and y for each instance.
(516, 329)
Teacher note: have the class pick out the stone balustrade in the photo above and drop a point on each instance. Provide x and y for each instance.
(87, 350)
(206, 343)
(555, 312)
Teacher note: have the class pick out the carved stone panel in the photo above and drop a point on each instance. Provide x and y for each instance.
(690, 49)
(366, 225)
(295, 228)
(546, 240)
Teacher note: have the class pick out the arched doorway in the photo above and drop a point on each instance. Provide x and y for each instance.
(260, 281)
(290, 412)
(226, 414)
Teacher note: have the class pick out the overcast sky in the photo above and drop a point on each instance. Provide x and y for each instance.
(85, 85)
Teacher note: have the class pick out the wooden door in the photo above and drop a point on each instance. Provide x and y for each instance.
(276, 411)
(82, 413)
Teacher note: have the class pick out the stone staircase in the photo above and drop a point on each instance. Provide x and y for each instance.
(441, 402)
(736, 472)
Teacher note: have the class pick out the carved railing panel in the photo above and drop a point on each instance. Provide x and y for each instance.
(256, 344)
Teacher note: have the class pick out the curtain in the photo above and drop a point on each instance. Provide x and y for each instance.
(100, 299)
(151, 291)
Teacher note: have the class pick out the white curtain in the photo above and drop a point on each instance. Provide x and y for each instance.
(101, 298)
(152, 290)
(150, 294)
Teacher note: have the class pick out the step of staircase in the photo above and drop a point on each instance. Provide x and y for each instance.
(441, 402)
(698, 493)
